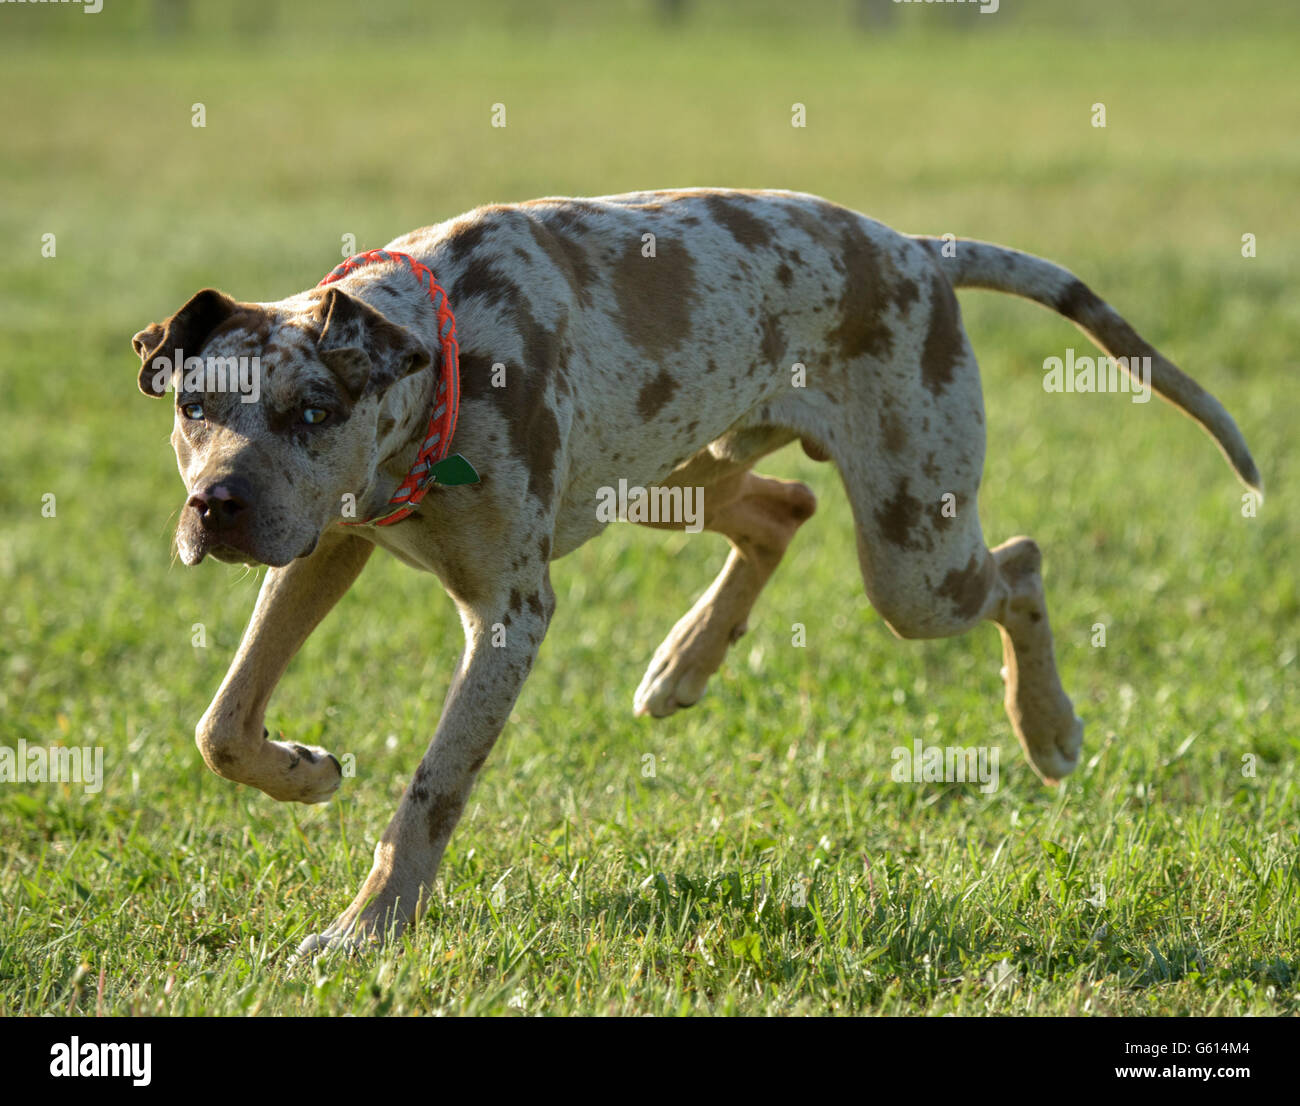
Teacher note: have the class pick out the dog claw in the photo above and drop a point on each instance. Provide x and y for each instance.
(316, 945)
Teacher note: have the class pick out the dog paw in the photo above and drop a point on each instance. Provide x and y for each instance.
(664, 691)
(343, 942)
(285, 770)
(680, 669)
(355, 931)
(1055, 755)
(311, 774)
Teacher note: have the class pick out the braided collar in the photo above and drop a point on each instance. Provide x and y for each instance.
(432, 464)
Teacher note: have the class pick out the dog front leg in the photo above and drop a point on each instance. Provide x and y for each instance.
(230, 735)
(501, 643)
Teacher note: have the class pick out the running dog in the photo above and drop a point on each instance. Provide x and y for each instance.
(461, 398)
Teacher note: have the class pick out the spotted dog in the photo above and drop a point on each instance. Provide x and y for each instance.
(653, 337)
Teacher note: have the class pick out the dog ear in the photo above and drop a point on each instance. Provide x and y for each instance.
(187, 331)
(366, 351)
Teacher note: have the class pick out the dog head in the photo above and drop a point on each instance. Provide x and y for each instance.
(284, 414)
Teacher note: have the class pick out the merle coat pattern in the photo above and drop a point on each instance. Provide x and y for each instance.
(587, 358)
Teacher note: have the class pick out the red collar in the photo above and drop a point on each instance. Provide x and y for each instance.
(424, 472)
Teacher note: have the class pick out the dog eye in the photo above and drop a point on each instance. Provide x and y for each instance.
(192, 411)
(314, 416)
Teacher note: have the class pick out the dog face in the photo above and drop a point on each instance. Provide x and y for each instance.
(284, 414)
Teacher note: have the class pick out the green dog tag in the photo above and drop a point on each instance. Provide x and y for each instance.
(453, 470)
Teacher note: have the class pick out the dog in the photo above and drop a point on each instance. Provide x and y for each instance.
(668, 339)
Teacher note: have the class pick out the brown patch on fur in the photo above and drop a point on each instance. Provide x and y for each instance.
(543, 443)
(1082, 305)
(943, 341)
(898, 516)
(534, 431)
(444, 813)
(480, 278)
(417, 790)
(654, 296)
(969, 587)
(785, 275)
(654, 394)
(862, 329)
(568, 257)
(1078, 302)
(892, 431)
(814, 227)
(773, 339)
(466, 238)
(748, 231)
(904, 294)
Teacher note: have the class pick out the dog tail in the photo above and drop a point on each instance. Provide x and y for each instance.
(971, 264)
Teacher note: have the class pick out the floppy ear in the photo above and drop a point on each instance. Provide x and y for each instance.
(187, 330)
(366, 351)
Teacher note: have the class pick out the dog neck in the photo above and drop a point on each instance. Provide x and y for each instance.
(403, 422)
(444, 403)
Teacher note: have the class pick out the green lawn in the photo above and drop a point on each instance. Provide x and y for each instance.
(771, 865)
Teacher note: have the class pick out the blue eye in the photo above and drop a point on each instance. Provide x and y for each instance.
(314, 416)
(192, 411)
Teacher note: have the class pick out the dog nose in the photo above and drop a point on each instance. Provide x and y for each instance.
(220, 506)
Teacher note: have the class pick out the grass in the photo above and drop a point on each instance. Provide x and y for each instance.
(771, 864)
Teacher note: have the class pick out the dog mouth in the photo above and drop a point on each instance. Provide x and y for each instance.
(194, 544)
(229, 555)
(194, 548)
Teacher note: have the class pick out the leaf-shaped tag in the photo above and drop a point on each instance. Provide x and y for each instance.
(454, 470)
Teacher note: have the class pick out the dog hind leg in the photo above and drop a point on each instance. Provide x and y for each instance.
(912, 475)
